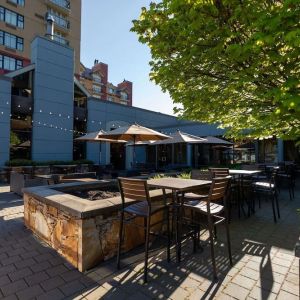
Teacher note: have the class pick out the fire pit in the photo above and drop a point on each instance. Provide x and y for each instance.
(81, 221)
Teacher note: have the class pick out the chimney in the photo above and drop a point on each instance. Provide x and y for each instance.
(96, 61)
(50, 27)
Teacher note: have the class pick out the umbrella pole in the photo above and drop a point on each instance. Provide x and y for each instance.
(134, 152)
(100, 149)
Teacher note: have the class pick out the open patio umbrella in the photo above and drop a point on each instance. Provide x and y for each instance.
(134, 133)
(96, 137)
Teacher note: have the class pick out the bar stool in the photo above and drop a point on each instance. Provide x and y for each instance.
(137, 190)
(216, 213)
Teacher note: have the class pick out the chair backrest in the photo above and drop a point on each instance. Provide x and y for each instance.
(133, 189)
(219, 189)
(219, 172)
(201, 174)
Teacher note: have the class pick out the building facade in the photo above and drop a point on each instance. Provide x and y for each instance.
(44, 107)
(22, 20)
(95, 80)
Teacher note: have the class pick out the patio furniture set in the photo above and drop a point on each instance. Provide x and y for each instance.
(209, 194)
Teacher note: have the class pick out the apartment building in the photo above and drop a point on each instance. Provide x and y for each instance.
(22, 20)
(95, 80)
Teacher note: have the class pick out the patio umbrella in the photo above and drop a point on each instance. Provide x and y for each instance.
(96, 137)
(134, 133)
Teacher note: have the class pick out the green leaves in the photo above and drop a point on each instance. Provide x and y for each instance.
(234, 63)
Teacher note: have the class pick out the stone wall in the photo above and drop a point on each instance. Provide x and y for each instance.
(84, 242)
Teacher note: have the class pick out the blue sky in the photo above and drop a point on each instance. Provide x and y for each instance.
(106, 36)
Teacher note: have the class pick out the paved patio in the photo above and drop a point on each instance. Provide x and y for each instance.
(265, 266)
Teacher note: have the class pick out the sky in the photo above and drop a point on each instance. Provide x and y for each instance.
(106, 36)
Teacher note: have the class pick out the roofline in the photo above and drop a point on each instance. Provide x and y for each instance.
(81, 87)
(20, 71)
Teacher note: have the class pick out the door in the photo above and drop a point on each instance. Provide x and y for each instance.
(118, 156)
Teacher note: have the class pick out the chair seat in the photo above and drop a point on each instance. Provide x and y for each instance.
(263, 185)
(194, 196)
(201, 206)
(141, 208)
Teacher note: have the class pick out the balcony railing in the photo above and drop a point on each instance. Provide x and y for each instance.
(60, 40)
(62, 5)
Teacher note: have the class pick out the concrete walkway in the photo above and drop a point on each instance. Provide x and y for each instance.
(264, 263)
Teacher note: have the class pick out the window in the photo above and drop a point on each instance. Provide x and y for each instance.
(97, 89)
(11, 41)
(10, 63)
(11, 17)
(18, 2)
(97, 78)
(111, 90)
(124, 96)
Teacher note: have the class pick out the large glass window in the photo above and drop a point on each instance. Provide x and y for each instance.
(11, 17)
(10, 63)
(11, 40)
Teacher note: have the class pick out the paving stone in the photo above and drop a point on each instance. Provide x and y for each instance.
(95, 293)
(54, 294)
(45, 265)
(250, 273)
(11, 297)
(283, 295)
(261, 294)
(4, 280)
(291, 288)
(71, 288)
(57, 270)
(16, 252)
(19, 274)
(29, 254)
(36, 278)
(52, 283)
(179, 294)
(25, 263)
(10, 260)
(243, 281)
(71, 275)
(236, 291)
(43, 257)
(13, 287)
(30, 292)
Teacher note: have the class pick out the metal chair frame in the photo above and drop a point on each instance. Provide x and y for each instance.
(137, 189)
(219, 190)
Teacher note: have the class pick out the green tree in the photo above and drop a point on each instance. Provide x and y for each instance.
(231, 62)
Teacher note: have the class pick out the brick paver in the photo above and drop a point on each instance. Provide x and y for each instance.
(264, 263)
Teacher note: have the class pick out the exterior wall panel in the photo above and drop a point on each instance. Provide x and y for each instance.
(52, 143)
(5, 107)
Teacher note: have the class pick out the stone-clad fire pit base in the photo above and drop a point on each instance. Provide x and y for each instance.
(84, 232)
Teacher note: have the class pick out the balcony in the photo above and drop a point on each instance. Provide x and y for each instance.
(60, 5)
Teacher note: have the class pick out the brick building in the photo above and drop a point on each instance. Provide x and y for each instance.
(95, 80)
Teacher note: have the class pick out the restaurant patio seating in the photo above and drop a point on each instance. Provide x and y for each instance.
(216, 213)
(137, 189)
(288, 177)
(269, 188)
(219, 172)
